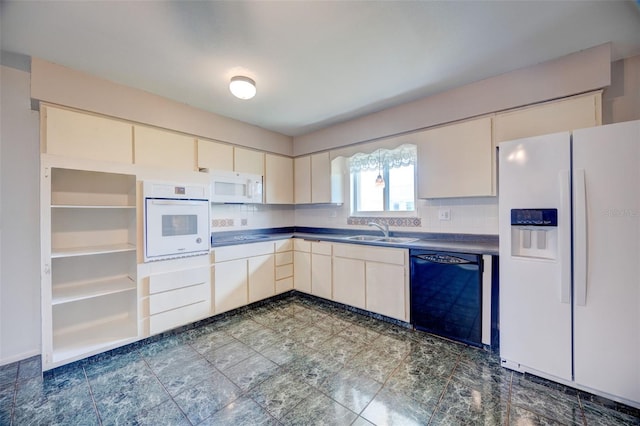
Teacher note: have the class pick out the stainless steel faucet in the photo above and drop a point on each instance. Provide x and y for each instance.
(383, 228)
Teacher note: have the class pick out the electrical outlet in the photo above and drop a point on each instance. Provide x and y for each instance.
(444, 214)
(244, 222)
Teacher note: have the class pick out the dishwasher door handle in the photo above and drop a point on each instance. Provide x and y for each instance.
(447, 260)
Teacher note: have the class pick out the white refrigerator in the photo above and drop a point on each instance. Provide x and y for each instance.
(569, 214)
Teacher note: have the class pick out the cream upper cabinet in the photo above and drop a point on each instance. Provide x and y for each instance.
(551, 117)
(79, 135)
(215, 155)
(456, 160)
(278, 179)
(160, 148)
(302, 180)
(314, 182)
(248, 161)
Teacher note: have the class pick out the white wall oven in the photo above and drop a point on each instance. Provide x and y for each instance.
(176, 220)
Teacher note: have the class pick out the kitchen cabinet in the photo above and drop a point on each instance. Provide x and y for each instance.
(278, 179)
(349, 281)
(175, 294)
(243, 274)
(248, 161)
(163, 149)
(214, 155)
(314, 181)
(81, 135)
(284, 265)
(321, 266)
(456, 160)
(302, 265)
(372, 278)
(88, 250)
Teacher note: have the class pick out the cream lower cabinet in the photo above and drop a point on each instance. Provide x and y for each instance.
(372, 278)
(243, 274)
(284, 265)
(349, 282)
(302, 265)
(321, 279)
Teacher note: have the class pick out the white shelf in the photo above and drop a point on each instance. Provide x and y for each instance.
(87, 290)
(91, 250)
(92, 339)
(73, 206)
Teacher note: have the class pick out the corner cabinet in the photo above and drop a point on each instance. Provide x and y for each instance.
(89, 290)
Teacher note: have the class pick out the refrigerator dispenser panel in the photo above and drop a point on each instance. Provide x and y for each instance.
(534, 233)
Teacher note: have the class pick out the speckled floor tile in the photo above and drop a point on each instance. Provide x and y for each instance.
(421, 384)
(333, 324)
(340, 349)
(374, 364)
(313, 368)
(181, 374)
(204, 399)
(242, 411)
(243, 327)
(392, 346)
(463, 405)
(28, 368)
(167, 413)
(285, 350)
(260, 339)
(518, 416)
(361, 421)
(212, 340)
(229, 355)
(288, 326)
(251, 372)
(311, 336)
(545, 401)
(318, 409)
(391, 408)
(351, 389)
(162, 345)
(7, 393)
(170, 357)
(359, 334)
(112, 364)
(483, 374)
(598, 415)
(40, 403)
(309, 315)
(280, 393)
(434, 360)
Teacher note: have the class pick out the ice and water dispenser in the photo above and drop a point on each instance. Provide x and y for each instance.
(534, 233)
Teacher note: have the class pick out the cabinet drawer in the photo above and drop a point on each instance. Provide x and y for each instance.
(284, 271)
(284, 285)
(243, 251)
(284, 258)
(395, 256)
(177, 298)
(320, 247)
(178, 279)
(284, 245)
(177, 317)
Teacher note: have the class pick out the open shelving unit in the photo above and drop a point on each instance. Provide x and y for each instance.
(89, 287)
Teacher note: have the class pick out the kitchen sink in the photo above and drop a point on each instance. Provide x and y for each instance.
(250, 237)
(398, 240)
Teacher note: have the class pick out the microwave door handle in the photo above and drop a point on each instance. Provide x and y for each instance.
(176, 202)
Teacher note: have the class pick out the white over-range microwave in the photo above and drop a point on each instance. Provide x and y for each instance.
(176, 220)
(234, 187)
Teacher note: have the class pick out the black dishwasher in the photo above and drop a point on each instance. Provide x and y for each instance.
(446, 294)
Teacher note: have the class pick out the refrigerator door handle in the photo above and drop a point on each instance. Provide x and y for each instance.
(580, 237)
(565, 237)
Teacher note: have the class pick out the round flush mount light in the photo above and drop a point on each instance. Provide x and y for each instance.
(242, 87)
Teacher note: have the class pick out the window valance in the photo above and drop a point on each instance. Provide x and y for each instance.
(401, 156)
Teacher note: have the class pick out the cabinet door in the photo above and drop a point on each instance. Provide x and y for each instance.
(302, 178)
(320, 178)
(73, 134)
(261, 277)
(302, 271)
(230, 285)
(349, 282)
(321, 275)
(387, 290)
(278, 179)
(215, 155)
(551, 117)
(248, 161)
(159, 148)
(456, 160)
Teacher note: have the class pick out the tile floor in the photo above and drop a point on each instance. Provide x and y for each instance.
(293, 361)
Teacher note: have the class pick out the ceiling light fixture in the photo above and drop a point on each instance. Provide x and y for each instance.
(242, 87)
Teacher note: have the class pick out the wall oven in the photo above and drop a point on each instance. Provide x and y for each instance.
(176, 220)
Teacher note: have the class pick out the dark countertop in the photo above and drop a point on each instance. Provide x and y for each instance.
(459, 243)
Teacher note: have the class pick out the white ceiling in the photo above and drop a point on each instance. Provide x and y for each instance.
(315, 63)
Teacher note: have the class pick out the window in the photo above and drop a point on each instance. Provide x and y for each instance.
(383, 181)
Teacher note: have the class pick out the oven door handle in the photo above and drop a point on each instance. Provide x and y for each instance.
(178, 202)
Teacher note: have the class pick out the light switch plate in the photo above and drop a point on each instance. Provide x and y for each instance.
(444, 214)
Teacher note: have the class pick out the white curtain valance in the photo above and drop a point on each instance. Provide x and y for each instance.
(401, 156)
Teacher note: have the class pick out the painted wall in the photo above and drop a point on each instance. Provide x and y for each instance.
(621, 100)
(19, 219)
